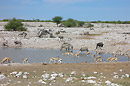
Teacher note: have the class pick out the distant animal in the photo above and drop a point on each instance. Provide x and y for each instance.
(67, 53)
(25, 60)
(88, 53)
(98, 56)
(100, 44)
(52, 59)
(99, 60)
(6, 59)
(93, 55)
(18, 42)
(112, 59)
(76, 54)
(23, 34)
(67, 47)
(42, 32)
(5, 44)
(84, 49)
(61, 37)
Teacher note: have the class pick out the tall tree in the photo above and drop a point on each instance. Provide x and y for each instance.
(57, 19)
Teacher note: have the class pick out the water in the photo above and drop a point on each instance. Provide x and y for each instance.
(43, 55)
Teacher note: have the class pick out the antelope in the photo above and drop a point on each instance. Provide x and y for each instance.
(112, 59)
(25, 60)
(99, 60)
(76, 54)
(88, 53)
(98, 56)
(98, 53)
(6, 59)
(52, 59)
(67, 53)
(93, 55)
(115, 55)
(109, 59)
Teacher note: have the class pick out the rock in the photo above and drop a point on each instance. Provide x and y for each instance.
(116, 76)
(127, 75)
(91, 77)
(25, 76)
(95, 72)
(91, 81)
(45, 76)
(2, 76)
(121, 70)
(108, 82)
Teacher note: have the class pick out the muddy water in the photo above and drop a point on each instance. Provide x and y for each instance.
(43, 55)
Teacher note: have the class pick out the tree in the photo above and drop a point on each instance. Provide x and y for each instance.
(57, 20)
(15, 25)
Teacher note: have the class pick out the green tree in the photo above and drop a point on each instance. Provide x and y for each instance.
(57, 20)
(15, 25)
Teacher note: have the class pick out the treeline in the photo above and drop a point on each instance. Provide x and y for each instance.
(70, 19)
(22, 20)
(114, 22)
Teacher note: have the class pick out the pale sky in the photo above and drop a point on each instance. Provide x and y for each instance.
(86, 10)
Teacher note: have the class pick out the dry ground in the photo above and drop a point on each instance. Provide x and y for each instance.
(36, 70)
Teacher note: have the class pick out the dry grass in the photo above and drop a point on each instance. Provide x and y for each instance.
(120, 43)
(84, 38)
(106, 32)
(94, 34)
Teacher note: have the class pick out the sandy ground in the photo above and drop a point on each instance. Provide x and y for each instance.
(76, 74)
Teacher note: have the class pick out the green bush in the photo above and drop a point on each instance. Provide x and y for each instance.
(73, 23)
(70, 23)
(15, 25)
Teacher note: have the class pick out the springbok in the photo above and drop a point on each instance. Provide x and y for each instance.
(112, 59)
(93, 55)
(88, 53)
(52, 59)
(6, 59)
(76, 54)
(99, 60)
(67, 53)
(98, 56)
(25, 60)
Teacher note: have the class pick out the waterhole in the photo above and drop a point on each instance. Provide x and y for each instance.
(43, 55)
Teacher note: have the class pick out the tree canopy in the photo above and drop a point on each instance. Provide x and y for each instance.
(57, 19)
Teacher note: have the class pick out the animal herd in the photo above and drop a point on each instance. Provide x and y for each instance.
(69, 51)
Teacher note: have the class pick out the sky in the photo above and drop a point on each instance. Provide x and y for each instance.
(83, 10)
